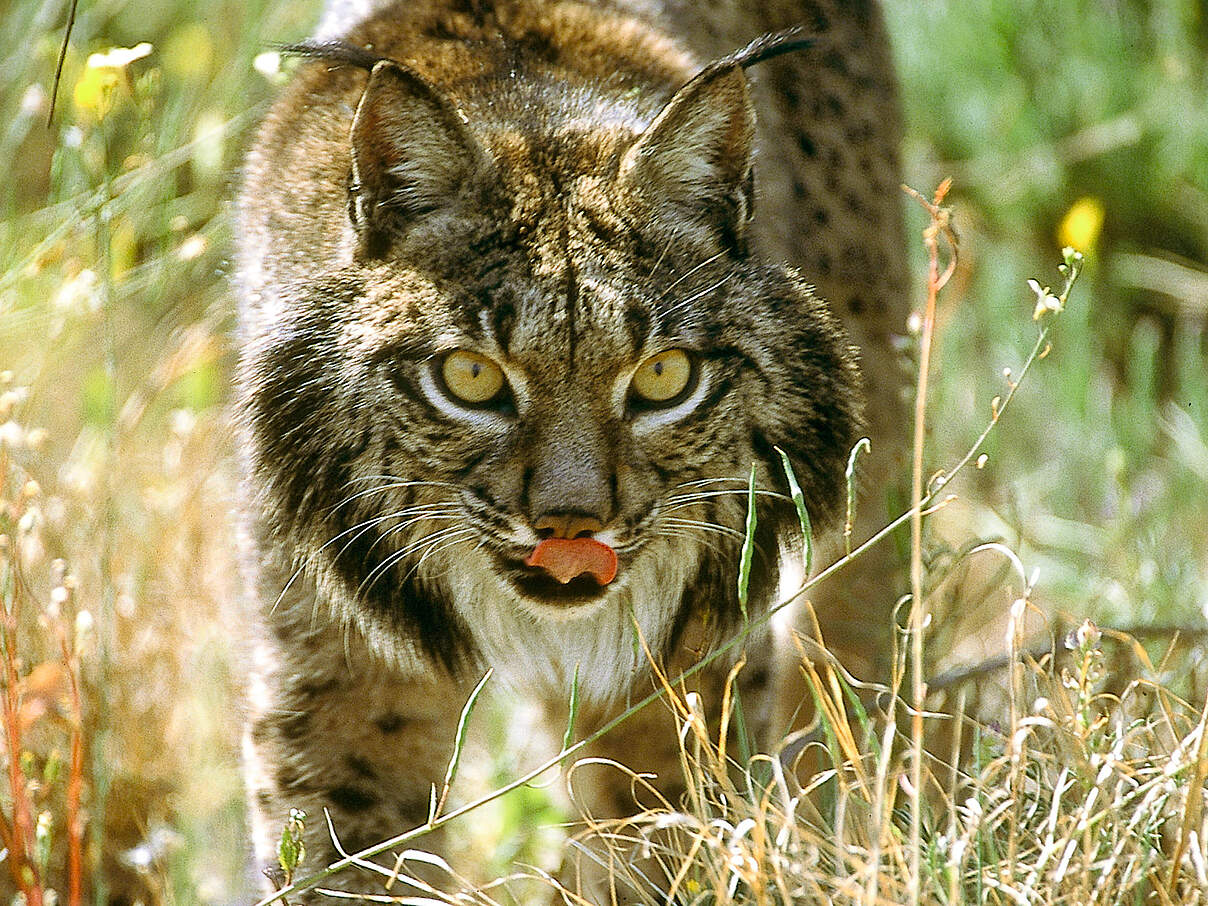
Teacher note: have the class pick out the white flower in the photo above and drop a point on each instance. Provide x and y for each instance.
(1045, 300)
(119, 57)
(268, 64)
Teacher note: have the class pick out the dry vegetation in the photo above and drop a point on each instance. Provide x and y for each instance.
(1066, 762)
(1082, 798)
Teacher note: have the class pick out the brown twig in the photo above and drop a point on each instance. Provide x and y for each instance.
(75, 781)
(54, 91)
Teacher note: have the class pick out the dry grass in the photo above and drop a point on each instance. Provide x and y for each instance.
(143, 616)
(1083, 797)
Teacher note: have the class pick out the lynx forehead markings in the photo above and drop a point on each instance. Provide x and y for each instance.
(509, 352)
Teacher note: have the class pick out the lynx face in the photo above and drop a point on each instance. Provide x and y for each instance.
(492, 311)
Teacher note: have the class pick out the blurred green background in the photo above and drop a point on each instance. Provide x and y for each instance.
(1079, 122)
(1084, 123)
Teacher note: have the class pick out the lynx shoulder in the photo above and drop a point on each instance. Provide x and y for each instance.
(513, 338)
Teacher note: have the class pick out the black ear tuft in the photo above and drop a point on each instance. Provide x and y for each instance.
(770, 46)
(411, 153)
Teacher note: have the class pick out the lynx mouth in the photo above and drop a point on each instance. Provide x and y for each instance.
(537, 584)
(541, 586)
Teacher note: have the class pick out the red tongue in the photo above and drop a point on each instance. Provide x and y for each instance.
(566, 558)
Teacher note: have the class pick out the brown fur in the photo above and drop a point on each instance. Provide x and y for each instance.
(563, 189)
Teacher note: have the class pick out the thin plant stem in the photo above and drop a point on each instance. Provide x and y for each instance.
(75, 781)
(107, 624)
(1195, 804)
(54, 91)
(938, 227)
(18, 834)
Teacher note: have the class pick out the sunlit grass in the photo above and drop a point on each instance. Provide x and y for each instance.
(1067, 124)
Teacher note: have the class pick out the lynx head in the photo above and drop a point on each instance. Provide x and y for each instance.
(510, 358)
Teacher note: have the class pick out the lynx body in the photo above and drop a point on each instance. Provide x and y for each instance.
(513, 337)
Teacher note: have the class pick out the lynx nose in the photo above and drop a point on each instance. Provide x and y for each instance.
(567, 525)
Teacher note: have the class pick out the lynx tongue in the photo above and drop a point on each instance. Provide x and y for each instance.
(566, 558)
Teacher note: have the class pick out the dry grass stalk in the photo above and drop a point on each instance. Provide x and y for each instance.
(1083, 798)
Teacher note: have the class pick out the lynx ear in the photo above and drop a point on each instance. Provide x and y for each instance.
(410, 154)
(692, 165)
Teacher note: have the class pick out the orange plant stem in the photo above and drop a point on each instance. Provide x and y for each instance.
(25, 873)
(75, 783)
(19, 832)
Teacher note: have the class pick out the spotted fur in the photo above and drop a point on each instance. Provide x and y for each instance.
(566, 190)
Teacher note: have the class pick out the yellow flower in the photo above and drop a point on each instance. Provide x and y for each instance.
(189, 52)
(1081, 224)
(95, 92)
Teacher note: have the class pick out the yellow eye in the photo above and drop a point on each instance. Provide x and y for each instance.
(470, 377)
(663, 377)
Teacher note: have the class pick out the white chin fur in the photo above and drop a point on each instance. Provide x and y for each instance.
(536, 648)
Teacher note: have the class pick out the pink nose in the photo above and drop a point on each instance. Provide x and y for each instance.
(568, 525)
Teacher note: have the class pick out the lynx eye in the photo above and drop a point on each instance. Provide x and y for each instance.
(662, 377)
(470, 377)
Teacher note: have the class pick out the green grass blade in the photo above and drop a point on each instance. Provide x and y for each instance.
(748, 547)
(803, 516)
(857, 708)
(463, 725)
(568, 737)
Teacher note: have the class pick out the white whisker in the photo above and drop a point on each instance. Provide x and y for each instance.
(437, 547)
(695, 538)
(396, 556)
(391, 485)
(688, 273)
(705, 526)
(700, 481)
(357, 531)
(685, 499)
(699, 295)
